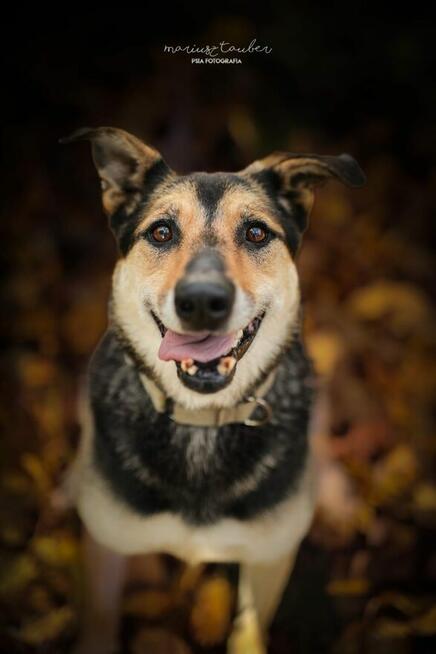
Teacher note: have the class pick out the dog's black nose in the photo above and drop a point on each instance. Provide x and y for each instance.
(204, 304)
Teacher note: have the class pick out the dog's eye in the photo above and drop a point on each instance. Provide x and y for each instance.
(256, 234)
(161, 233)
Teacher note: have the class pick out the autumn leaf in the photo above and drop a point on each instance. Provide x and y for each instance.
(47, 627)
(56, 550)
(348, 587)
(158, 641)
(149, 603)
(211, 614)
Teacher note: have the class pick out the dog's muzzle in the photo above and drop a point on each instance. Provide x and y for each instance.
(205, 351)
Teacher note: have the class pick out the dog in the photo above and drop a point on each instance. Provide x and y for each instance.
(197, 400)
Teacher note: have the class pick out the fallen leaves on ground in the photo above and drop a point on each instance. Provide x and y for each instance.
(370, 329)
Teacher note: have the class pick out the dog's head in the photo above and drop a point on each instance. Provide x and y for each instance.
(206, 287)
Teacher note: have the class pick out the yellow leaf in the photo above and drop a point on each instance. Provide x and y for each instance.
(56, 550)
(36, 372)
(405, 306)
(13, 535)
(190, 577)
(354, 586)
(211, 615)
(158, 641)
(408, 606)
(325, 349)
(18, 574)
(48, 627)
(149, 603)
(426, 624)
(386, 628)
(394, 474)
(33, 466)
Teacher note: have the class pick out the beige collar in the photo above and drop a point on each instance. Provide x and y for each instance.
(215, 417)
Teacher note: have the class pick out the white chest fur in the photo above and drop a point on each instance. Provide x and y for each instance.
(265, 538)
(112, 523)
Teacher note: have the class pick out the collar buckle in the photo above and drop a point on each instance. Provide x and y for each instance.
(265, 407)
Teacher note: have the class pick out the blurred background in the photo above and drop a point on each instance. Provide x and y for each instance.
(344, 79)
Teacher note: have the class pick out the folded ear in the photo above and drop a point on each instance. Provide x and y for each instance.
(124, 164)
(290, 179)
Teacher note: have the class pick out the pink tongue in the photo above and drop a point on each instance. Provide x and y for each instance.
(201, 346)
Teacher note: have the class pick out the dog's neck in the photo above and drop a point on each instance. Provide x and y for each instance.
(253, 411)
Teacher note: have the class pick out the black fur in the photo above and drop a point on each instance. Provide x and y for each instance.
(294, 222)
(124, 225)
(143, 454)
(210, 188)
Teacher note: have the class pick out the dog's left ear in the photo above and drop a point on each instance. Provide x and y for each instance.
(124, 164)
(290, 179)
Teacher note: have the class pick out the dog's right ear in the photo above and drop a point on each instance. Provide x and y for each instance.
(125, 165)
(290, 178)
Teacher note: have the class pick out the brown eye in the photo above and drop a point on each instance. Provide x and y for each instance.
(256, 234)
(162, 233)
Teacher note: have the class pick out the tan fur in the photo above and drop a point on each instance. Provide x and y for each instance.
(262, 539)
(146, 279)
(246, 271)
(118, 140)
(238, 201)
(288, 167)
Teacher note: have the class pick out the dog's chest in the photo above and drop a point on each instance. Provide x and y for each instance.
(263, 538)
(227, 493)
(201, 474)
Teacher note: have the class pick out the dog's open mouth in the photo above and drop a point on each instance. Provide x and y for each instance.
(206, 362)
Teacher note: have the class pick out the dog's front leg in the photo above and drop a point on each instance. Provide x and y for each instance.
(261, 587)
(104, 573)
(260, 590)
(268, 582)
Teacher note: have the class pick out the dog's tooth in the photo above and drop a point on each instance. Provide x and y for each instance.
(226, 365)
(192, 370)
(185, 364)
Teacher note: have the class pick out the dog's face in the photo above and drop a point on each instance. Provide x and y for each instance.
(206, 287)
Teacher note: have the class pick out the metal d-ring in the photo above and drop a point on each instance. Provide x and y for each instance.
(267, 412)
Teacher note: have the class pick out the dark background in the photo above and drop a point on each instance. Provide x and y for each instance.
(349, 78)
